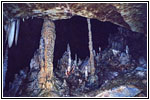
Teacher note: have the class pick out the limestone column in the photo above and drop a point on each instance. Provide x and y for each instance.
(46, 53)
(91, 60)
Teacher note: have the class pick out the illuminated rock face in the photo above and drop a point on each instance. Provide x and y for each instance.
(129, 15)
(46, 53)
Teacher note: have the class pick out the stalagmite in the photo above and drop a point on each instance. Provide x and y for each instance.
(46, 54)
(79, 62)
(86, 72)
(69, 59)
(75, 61)
(99, 49)
(127, 49)
(91, 61)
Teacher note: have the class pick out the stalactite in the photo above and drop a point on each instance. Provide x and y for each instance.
(7, 28)
(91, 61)
(11, 34)
(17, 30)
(46, 62)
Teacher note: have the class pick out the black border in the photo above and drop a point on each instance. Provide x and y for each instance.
(76, 2)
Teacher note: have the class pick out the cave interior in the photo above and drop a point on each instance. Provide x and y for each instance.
(73, 31)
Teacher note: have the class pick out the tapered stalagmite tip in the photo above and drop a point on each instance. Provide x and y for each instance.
(69, 59)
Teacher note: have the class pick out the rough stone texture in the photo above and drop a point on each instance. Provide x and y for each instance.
(46, 61)
(135, 15)
(129, 15)
(39, 79)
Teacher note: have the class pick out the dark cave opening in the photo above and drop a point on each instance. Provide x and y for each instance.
(20, 55)
(74, 32)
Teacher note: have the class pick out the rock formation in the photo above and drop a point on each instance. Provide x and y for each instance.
(129, 15)
(115, 66)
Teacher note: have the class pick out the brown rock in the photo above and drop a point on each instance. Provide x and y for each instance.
(130, 15)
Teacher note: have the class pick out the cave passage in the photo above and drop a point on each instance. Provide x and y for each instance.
(20, 55)
(74, 32)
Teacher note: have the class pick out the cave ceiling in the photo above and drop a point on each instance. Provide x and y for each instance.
(132, 16)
